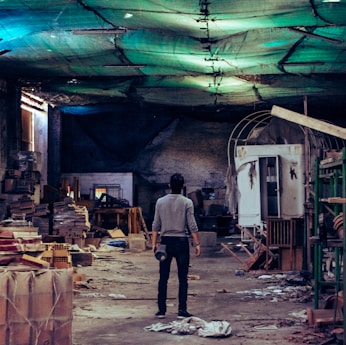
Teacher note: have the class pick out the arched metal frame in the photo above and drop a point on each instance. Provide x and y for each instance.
(243, 131)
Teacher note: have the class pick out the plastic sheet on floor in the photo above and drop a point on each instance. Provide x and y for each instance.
(193, 325)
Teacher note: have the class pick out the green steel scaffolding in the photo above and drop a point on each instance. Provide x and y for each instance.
(330, 196)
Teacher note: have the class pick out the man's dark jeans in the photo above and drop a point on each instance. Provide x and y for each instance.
(178, 248)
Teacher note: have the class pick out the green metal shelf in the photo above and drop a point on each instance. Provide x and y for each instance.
(330, 182)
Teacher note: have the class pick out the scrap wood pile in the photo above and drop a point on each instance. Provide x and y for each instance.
(70, 221)
(21, 241)
(137, 223)
(22, 245)
(261, 258)
(25, 210)
(18, 238)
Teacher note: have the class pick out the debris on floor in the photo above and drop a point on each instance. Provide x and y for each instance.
(194, 325)
(193, 277)
(283, 287)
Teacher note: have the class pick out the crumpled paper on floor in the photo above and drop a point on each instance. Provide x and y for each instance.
(194, 325)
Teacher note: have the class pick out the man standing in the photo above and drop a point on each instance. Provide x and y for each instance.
(174, 219)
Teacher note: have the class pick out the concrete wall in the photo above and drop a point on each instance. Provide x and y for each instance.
(196, 149)
(88, 180)
(10, 122)
(41, 142)
(11, 136)
(151, 146)
(3, 132)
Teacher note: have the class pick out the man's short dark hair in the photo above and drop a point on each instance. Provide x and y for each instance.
(177, 182)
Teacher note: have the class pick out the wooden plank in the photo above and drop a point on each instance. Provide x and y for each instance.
(257, 258)
(232, 253)
(30, 260)
(324, 317)
(310, 122)
(143, 223)
(334, 200)
(19, 229)
(116, 233)
(246, 250)
(260, 244)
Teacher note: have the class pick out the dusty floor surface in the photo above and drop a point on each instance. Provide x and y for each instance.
(119, 301)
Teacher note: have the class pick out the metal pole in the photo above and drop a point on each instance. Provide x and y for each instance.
(306, 247)
(344, 236)
(316, 266)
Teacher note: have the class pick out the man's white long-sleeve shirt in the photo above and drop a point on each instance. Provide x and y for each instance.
(174, 216)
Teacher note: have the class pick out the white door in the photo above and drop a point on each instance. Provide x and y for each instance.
(270, 186)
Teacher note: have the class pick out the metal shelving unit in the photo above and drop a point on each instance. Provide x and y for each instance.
(330, 198)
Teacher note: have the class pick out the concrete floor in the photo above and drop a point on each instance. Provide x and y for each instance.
(119, 301)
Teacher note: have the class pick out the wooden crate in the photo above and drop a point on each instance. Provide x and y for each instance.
(291, 261)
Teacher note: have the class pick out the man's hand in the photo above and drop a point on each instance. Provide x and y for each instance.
(154, 243)
(198, 250)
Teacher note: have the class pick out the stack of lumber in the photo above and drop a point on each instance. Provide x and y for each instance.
(42, 223)
(26, 210)
(17, 240)
(70, 220)
(41, 210)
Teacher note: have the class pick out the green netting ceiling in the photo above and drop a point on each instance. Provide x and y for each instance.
(187, 53)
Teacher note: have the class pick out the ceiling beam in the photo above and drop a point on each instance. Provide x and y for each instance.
(310, 122)
(99, 31)
(123, 66)
(311, 34)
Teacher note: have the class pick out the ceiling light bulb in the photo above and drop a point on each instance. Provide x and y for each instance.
(128, 15)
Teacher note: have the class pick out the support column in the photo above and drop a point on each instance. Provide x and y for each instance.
(54, 147)
(13, 119)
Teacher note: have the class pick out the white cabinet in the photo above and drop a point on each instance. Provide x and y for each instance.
(270, 182)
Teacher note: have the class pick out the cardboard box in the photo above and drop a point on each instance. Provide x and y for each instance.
(63, 285)
(3, 303)
(137, 242)
(19, 307)
(93, 241)
(36, 307)
(19, 334)
(3, 337)
(82, 259)
(116, 233)
(42, 298)
(62, 332)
